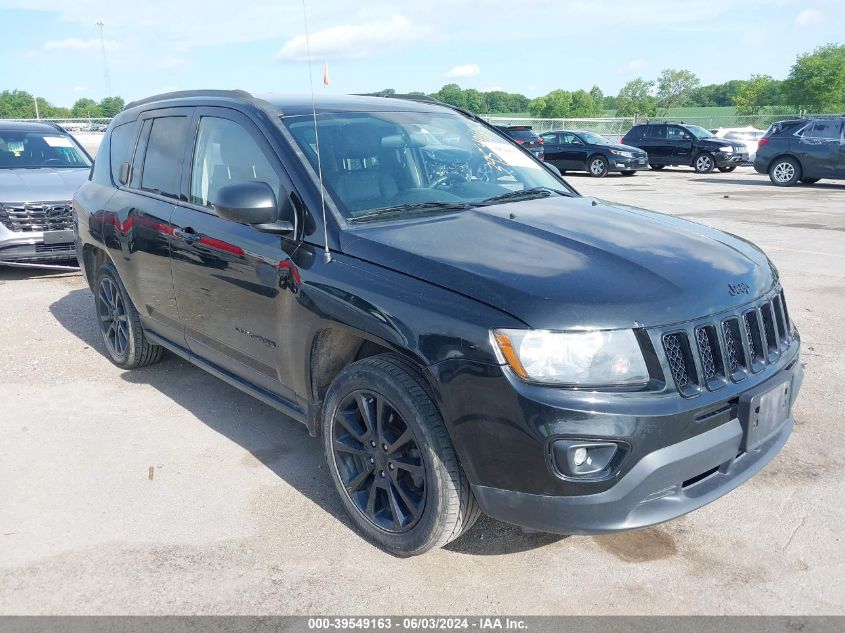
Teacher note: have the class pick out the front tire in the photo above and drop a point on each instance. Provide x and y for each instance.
(810, 181)
(120, 324)
(704, 163)
(656, 167)
(629, 172)
(784, 172)
(597, 167)
(727, 168)
(391, 458)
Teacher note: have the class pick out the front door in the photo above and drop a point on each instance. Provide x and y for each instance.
(573, 151)
(234, 284)
(679, 142)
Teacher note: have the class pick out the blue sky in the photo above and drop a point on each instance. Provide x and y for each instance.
(51, 47)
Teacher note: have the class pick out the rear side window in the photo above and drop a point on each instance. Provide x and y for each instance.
(121, 144)
(656, 131)
(636, 133)
(822, 130)
(163, 159)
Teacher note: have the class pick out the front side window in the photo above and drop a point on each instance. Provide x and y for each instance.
(120, 146)
(32, 150)
(377, 160)
(549, 139)
(163, 158)
(675, 133)
(226, 154)
(699, 132)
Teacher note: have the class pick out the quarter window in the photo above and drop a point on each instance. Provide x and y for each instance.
(163, 157)
(227, 154)
(121, 144)
(823, 130)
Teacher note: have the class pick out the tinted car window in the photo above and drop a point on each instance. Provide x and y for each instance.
(675, 133)
(163, 156)
(570, 139)
(657, 131)
(121, 144)
(829, 130)
(523, 135)
(140, 150)
(636, 133)
(226, 154)
(549, 139)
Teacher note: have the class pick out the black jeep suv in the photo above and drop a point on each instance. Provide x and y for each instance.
(460, 343)
(683, 144)
(802, 150)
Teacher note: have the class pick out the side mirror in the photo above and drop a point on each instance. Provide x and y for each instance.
(553, 169)
(124, 174)
(250, 203)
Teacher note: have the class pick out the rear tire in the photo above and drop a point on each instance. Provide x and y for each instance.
(597, 166)
(421, 497)
(120, 324)
(628, 172)
(656, 167)
(704, 163)
(784, 172)
(727, 168)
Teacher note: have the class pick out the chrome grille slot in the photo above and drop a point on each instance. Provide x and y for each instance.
(36, 216)
(769, 330)
(681, 364)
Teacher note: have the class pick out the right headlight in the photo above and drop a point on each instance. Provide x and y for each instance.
(599, 358)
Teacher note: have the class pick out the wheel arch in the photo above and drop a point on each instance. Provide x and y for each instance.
(785, 155)
(93, 258)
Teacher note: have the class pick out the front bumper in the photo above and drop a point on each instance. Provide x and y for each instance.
(620, 163)
(735, 158)
(33, 249)
(680, 453)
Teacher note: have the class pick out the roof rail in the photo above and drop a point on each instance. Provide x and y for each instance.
(183, 94)
(407, 97)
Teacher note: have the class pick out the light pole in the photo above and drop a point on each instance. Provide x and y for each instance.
(37, 116)
(99, 25)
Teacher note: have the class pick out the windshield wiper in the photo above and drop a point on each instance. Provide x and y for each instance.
(524, 194)
(404, 209)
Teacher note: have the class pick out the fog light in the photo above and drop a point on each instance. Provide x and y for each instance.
(580, 455)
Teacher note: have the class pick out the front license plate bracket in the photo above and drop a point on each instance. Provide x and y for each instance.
(763, 410)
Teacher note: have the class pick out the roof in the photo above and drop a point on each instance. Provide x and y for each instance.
(30, 126)
(290, 105)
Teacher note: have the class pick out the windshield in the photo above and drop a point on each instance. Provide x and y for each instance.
(416, 161)
(594, 139)
(699, 132)
(30, 150)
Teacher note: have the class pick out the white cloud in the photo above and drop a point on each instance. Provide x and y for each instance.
(467, 70)
(808, 17)
(351, 41)
(636, 65)
(76, 44)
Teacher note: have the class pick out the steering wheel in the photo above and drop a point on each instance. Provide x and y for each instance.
(449, 178)
(53, 161)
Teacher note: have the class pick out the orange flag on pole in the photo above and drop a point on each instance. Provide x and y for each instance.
(325, 74)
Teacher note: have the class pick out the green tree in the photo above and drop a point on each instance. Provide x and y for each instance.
(635, 99)
(387, 91)
(555, 105)
(584, 104)
(755, 94)
(17, 104)
(816, 81)
(84, 108)
(610, 102)
(111, 106)
(597, 94)
(475, 101)
(674, 87)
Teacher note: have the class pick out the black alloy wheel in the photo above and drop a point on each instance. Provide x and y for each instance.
(114, 322)
(379, 461)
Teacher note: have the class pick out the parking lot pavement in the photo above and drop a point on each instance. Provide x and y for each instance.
(164, 490)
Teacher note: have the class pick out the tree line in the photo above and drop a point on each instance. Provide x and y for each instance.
(816, 83)
(19, 104)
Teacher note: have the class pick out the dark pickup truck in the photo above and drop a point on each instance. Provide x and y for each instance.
(462, 343)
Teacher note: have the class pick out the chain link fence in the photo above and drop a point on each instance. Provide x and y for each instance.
(613, 128)
(74, 125)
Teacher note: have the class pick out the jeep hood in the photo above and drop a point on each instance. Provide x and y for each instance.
(558, 262)
(41, 184)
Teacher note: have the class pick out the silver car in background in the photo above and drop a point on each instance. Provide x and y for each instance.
(748, 136)
(41, 166)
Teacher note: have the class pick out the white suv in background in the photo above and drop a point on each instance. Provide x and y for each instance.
(748, 136)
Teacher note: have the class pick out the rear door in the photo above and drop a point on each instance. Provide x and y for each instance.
(235, 285)
(656, 145)
(139, 217)
(679, 145)
(551, 147)
(819, 148)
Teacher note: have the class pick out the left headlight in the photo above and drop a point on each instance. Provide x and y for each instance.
(600, 358)
(619, 152)
(727, 150)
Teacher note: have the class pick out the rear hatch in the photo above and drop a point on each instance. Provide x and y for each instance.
(526, 137)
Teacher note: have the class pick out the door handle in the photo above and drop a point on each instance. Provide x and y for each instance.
(188, 234)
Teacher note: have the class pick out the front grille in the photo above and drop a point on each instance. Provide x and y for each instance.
(55, 248)
(708, 355)
(36, 216)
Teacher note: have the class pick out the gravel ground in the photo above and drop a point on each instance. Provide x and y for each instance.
(164, 490)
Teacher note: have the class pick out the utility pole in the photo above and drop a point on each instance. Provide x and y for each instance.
(99, 24)
(37, 116)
